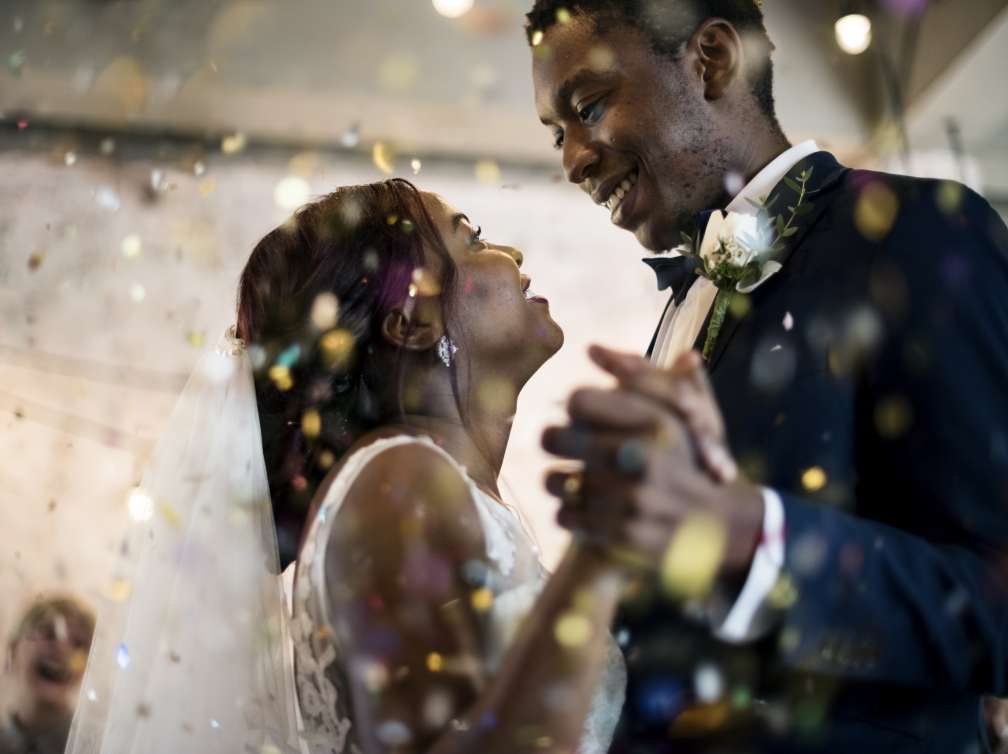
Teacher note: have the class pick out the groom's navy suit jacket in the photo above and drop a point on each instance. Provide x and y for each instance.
(878, 356)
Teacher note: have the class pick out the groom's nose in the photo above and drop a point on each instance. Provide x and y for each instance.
(580, 158)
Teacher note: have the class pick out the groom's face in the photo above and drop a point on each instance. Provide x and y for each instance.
(632, 127)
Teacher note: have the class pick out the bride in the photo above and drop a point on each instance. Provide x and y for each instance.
(388, 342)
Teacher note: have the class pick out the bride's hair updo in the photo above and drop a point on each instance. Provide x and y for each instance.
(311, 303)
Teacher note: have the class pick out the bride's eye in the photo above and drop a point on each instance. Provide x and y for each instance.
(558, 139)
(477, 238)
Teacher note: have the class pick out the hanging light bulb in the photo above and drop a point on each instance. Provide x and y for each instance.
(854, 33)
(453, 8)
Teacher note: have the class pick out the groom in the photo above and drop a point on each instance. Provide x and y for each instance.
(844, 588)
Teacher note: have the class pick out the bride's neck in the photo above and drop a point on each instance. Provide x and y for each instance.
(479, 441)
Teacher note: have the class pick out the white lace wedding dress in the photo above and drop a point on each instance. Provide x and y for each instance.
(321, 673)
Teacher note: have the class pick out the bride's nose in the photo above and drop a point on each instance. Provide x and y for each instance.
(515, 255)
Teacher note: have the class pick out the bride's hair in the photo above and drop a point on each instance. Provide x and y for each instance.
(321, 384)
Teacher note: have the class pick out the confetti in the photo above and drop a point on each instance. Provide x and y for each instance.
(876, 211)
(35, 260)
(281, 377)
(351, 137)
(311, 424)
(415, 164)
(131, 246)
(708, 683)
(107, 146)
(393, 733)
(383, 158)
(234, 143)
(814, 479)
(107, 199)
(537, 37)
(137, 292)
(119, 590)
(122, 656)
(482, 599)
(693, 557)
(487, 171)
(435, 662)
(140, 505)
(788, 321)
(572, 630)
(893, 416)
(337, 349)
(70, 158)
(325, 311)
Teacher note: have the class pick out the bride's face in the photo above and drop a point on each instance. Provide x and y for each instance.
(494, 312)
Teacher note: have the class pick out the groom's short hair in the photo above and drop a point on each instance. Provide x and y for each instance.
(668, 25)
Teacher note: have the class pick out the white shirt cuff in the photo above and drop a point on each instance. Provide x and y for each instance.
(747, 619)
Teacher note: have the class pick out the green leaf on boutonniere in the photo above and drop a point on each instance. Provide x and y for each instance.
(769, 205)
(789, 232)
(687, 239)
(792, 184)
(803, 209)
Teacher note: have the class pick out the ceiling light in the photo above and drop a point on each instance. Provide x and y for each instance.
(854, 33)
(453, 8)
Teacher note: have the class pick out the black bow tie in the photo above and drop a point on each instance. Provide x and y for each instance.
(677, 273)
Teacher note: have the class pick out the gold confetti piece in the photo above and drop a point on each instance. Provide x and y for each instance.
(482, 599)
(435, 662)
(233, 144)
(893, 416)
(311, 424)
(950, 197)
(563, 16)
(601, 58)
(35, 260)
(207, 186)
(537, 37)
(876, 211)
(132, 246)
(196, 338)
(739, 305)
(693, 557)
(326, 460)
(572, 630)
(337, 348)
(170, 514)
(70, 158)
(814, 479)
(426, 283)
(383, 157)
(487, 171)
(281, 377)
(784, 593)
(119, 590)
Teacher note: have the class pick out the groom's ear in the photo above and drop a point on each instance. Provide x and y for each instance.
(719, 56)
(418, 329)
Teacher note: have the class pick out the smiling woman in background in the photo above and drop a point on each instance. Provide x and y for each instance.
(45, 663)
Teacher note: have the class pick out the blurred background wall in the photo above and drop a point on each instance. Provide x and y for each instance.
(145, 145)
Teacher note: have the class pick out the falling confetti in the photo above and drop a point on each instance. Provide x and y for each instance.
(140, 505)
(876, 211)
(694, 556)
(281, 377)
(435, 662)
(35, 260)
(415, 164)
(337, 348)
(487, 171)
(482, 599)
(119, 590)
(572, 629)
(132, 247)
(137, 292)
(107, 146)
(814, 479)
(325, 311)
(107, 199)
(893, 416)
(537, 37)
(122, 656)
(383, 157)
(70, 158)
(788, 322)
(311, 424)
(233, 144)
(708, 683)
(351, 137)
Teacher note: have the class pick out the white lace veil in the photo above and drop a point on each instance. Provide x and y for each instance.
(195, 657)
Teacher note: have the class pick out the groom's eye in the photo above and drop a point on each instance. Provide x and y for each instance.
(591, 112)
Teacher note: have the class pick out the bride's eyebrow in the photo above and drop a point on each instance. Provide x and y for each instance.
(457, 219)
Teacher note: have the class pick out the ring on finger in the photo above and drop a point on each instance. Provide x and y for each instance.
(631, 457)
(572, 487)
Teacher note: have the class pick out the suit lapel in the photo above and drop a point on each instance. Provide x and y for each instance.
(826, 174)
(654, 338)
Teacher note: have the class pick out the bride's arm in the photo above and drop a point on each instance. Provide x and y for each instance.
(403, 572)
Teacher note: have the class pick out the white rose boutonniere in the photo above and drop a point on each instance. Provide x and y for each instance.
(736, 251)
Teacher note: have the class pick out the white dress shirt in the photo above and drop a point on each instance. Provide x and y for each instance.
(677, 334)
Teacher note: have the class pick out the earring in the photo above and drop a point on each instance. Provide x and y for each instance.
(446, 350)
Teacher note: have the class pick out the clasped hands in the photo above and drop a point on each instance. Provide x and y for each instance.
(654, 458)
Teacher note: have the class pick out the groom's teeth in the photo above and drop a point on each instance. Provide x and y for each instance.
(620, 192)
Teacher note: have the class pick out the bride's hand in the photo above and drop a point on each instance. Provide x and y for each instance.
(685, 390)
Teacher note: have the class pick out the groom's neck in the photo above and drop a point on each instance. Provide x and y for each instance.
(759, 149)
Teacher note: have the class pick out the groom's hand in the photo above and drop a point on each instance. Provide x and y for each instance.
(654, 456)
